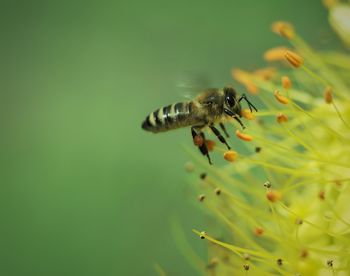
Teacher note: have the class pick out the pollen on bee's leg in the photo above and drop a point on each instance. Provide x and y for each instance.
(244, 137)
(230, 155)
(281, 118)
(210, 144)
(282, 99)
(198, 140)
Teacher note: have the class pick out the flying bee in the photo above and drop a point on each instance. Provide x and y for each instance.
(210, 107)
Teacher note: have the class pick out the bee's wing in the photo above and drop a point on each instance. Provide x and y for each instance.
(190, 85)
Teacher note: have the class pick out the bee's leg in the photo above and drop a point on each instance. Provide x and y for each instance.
(219, 136)
(234, 116)
(239, 121)
(224, 129)
(203, 145)
(204, 149)
(248, 102)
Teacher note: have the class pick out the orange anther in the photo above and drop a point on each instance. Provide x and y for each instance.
(328, 95)
(284, 29)
(258, 231)
(230, 155)
(246, 113)
(276, 54)
(273, 195)
(280, 98)
(245, 137)
(281, 118)
(294, 59)
(286, 82)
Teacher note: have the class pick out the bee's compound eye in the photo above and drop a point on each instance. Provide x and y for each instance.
(230, 96)
(230, 100)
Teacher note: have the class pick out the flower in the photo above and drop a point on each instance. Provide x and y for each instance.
(286, 206)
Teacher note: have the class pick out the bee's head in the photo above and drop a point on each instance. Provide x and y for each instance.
(231, 103)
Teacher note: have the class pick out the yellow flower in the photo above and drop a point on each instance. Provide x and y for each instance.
(284, 209)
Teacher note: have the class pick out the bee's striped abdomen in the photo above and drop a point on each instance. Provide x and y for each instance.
(168, 117)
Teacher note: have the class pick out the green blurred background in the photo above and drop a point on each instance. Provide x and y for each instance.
(84, 191)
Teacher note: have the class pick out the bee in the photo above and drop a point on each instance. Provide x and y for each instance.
(212, 106)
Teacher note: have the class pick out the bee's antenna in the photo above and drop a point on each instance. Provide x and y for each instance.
(248, 102)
